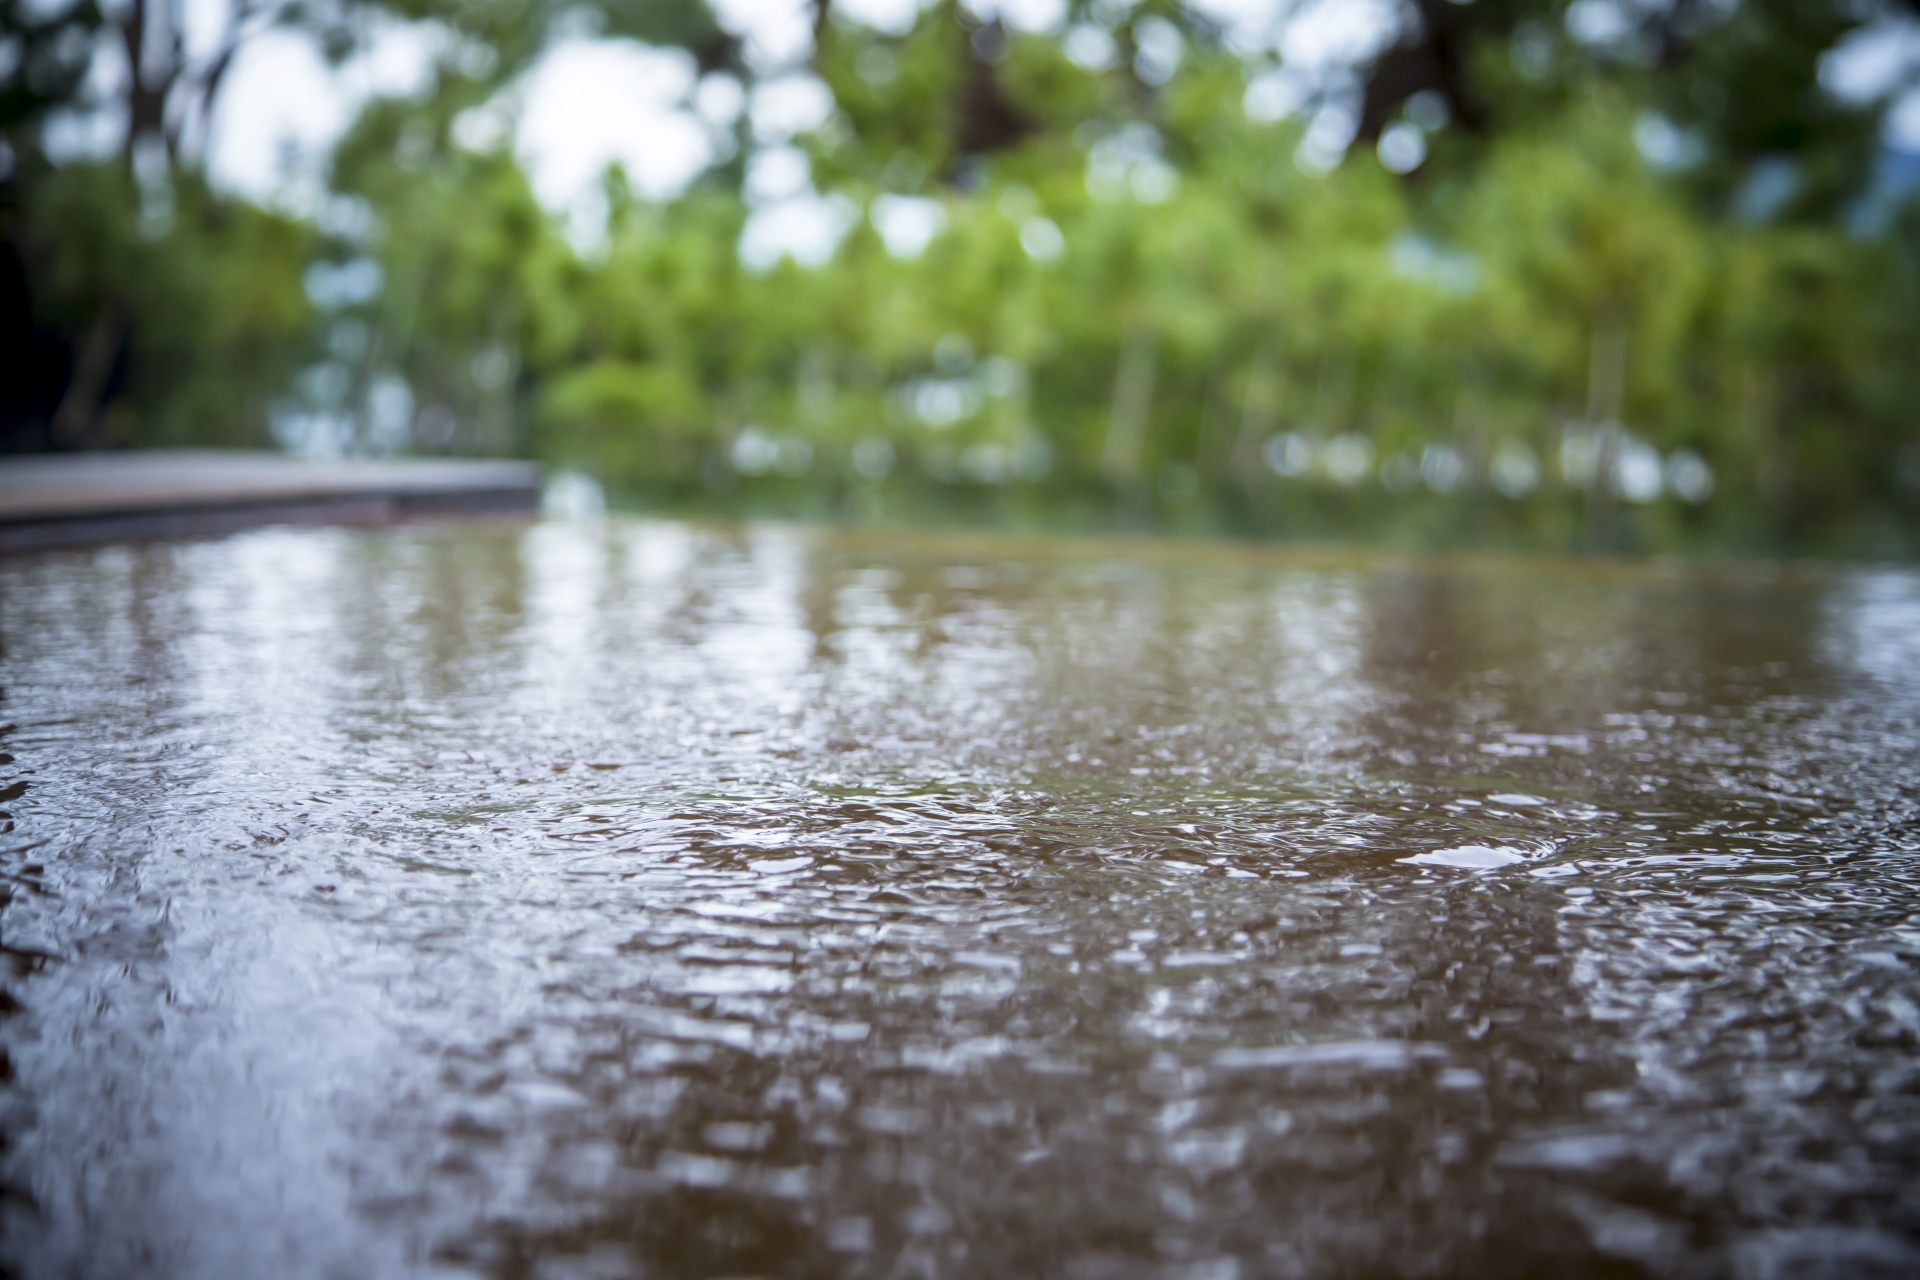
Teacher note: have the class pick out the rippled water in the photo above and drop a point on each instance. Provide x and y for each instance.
(645, 899)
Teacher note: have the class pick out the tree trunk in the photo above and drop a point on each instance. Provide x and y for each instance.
(1256, 420)
(79, 405)
(1606, 393)
(1132, 400)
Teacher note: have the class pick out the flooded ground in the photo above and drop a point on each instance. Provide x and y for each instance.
(639, 899)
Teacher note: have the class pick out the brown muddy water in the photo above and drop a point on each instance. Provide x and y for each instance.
(654, 900)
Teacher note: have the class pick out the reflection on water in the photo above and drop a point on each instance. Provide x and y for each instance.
(632, 898)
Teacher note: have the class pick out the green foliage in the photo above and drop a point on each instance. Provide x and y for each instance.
(207, 291)
(1138, 302)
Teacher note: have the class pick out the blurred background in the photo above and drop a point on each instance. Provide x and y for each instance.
(1637, 275)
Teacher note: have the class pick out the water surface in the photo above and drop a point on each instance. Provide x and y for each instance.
(644, 899)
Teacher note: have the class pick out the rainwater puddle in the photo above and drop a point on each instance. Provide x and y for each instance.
(627, 898)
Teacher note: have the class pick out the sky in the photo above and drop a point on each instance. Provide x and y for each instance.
(589, 103)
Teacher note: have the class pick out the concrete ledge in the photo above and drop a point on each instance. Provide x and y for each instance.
(72, 498)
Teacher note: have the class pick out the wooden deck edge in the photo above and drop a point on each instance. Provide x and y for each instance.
(134, 523)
